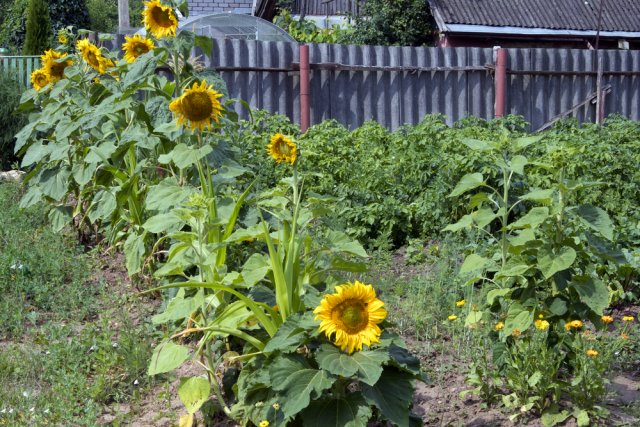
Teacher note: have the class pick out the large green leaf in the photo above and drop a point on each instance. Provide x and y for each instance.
(392, 395)
(550, 262)
(473, 262)
(349, 411)
(532, 219)
(464, 222)
(518, 317)
(597, 219)
(290, 333)
(255, 269)
(166, 357)
(35, 153)
(593, 292)
(161, 222)
(366, 363)
(193, 392)
(184, 155)
(166, 195)
(466, 183)
(521, 143)
(517, 164)
(134, 251)
(298, 386)
(144, 65)
(55, 182)
(538, 195)
(102, 206)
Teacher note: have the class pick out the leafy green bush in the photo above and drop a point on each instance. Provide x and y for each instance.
(38, 37)
(103, 15)
(10, 92)
(13, 28)
(397, 22)
(66, 13)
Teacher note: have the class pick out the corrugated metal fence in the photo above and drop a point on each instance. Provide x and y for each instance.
(22, 66)
(398, 85)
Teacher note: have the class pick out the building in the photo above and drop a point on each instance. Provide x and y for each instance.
(606, 24)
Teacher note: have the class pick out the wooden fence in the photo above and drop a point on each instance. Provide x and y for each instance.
(22, 66)
(399, 85)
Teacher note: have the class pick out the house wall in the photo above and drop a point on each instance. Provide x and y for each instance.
(199, 7)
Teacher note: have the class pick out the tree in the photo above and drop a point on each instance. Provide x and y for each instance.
(394, 22)
(38, 37)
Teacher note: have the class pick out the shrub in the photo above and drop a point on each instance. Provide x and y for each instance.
(38, 37)
(398, 22)
(12, 31)
(68, 12)
(10, 91)
(103, 15)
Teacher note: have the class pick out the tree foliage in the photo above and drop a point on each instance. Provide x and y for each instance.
(38, 36)
(394, 22)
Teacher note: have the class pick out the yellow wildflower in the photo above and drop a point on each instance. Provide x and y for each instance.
(264, 423)
(499, 326)
(628, 319)
(460, 303)
(592, 353)
(276, 406)
(607, 319)
(452, 317)
(541, 325)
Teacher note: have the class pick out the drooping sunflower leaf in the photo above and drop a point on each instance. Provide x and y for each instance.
(392, 395)
(166, 357)
(349, 411)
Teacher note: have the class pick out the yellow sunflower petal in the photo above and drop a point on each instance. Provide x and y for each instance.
(52, 66)
(351, 316)
(136, 46)
(92, 55)
(159, 20)
(39, 78)
(198, 106)
(283, 149)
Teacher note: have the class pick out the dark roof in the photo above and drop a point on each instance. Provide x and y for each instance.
(617, 15)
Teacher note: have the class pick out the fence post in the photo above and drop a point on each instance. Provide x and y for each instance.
(305, 92)
(501, 82)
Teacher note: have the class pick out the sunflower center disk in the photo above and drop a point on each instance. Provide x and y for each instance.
(161, 17)
(354, 317)
(283, 148)
(140, 49)
(197, 106)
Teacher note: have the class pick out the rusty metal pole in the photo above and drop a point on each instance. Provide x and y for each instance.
(305, 91)
(501, 82)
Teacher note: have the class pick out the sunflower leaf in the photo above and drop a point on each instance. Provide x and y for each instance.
(392, 395)
(299, 384)
(350, 411)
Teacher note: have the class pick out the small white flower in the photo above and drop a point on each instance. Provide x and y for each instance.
(11, 410)
(114, 345)
(46, 411)
(136, 382)
(33, 408)
(47, 352)
(3, 411)
(92, 348)
(25, 394)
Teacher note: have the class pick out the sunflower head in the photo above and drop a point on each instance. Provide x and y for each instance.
(282, 149)
(136, 46)
(39, 78)
(159, 20)
(93, 56)
(352, 315)
(52, 65)
(62, 38)
(198, 105)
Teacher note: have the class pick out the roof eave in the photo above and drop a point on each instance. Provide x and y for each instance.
(520, 31)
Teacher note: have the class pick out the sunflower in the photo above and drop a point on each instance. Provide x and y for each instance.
(198, 105)
(93, 56)
(282, 149)
(136, 46)
(62, 38)
(159, 20)
(39, 78)
(351, 314)
(53, 67)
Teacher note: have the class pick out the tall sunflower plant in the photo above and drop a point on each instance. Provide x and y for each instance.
(288, 354)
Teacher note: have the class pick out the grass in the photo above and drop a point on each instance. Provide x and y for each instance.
(68, 346)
